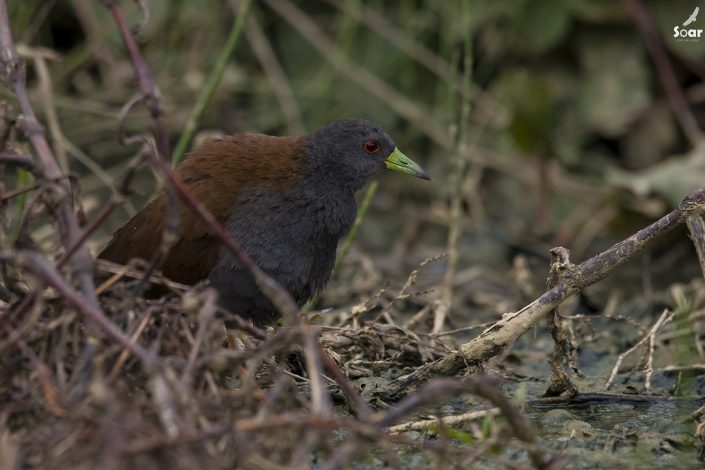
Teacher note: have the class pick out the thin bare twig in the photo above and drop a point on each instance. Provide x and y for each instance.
(481, 386)
(148, 87)
(361, 407)
(664, 318)
(205, 317)
(61, 143)
(454, 420)
(41, 268)
(512, 325)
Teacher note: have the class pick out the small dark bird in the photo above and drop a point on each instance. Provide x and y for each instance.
(286, 200)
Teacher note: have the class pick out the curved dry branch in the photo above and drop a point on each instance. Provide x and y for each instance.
(572, 279)
(148, 87)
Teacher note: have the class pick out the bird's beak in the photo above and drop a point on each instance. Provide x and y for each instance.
(397, 161)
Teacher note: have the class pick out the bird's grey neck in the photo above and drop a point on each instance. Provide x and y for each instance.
(328, 171)
(327, 183)
(333, 204)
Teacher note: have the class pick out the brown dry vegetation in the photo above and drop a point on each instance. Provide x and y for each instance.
(543, 123)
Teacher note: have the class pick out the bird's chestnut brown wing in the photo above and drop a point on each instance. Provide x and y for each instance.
(215, 173)
(196, 251)
(191, 258)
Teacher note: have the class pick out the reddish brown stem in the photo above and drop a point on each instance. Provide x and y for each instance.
(148, 87)
(95, 223)
(23, 305)
(16, 192)
(15, 159)
(362, 409)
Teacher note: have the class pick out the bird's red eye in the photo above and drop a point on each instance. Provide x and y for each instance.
(371, 146)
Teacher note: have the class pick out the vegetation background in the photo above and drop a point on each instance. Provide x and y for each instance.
(542, 122)
(567, 123)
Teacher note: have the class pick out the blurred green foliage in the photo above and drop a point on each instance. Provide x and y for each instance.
(569, 82)
(569, 136)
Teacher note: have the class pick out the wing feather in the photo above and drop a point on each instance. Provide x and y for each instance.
(215, 173)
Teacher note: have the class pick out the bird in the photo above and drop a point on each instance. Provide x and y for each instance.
(693, 16)
(286, 200)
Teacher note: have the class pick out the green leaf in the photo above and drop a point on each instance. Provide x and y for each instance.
(672, 179)
(614, 89)
(460, 435)
(529, 99)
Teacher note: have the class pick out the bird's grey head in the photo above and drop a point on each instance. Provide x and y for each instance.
(351, 152)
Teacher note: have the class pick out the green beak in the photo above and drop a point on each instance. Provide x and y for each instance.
(397, 161)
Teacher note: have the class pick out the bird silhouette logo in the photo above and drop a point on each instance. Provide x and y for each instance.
(693, 16)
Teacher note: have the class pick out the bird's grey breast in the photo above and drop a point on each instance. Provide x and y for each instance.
(292, 238)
